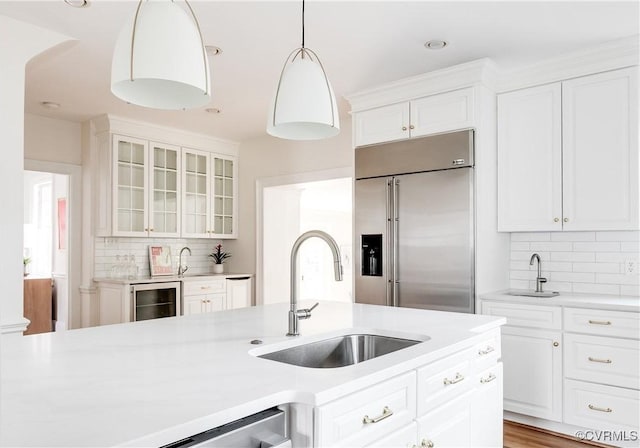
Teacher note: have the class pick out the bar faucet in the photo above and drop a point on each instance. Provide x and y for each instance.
(539, 279)
(182, 269)
(294, 313)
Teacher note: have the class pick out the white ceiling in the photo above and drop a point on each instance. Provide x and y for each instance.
(361, 44)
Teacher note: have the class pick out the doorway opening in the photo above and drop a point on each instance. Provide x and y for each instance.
(292, 209)
(45, 251)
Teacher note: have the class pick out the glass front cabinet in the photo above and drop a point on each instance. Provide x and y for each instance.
(161, 190)
(209, 185)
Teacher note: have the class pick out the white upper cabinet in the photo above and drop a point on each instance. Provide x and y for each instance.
(432, 114)
(209, 195)
(164, 188)
(130, 213)
(530, 159)
(600, 151)
(568, 155)
(382, 124)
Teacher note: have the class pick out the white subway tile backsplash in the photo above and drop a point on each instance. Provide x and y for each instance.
(595, 288)
(528, 236)
(573, 236)
(618, 236)
(630, 247)
(551, 246)
(573, 277)
(517, 245)
(613, 268)
(573, 256)
(598, 246)
(581, 262)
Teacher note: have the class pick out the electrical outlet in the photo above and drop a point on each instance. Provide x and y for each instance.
(630, 266)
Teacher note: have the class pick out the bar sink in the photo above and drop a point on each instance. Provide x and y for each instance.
(546, 294)
(340, 351)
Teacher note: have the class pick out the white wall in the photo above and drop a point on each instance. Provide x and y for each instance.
(52, 140)
(580, 262)
(26, 42)
(266, 157)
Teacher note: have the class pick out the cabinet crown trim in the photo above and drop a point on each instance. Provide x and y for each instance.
(481, 71)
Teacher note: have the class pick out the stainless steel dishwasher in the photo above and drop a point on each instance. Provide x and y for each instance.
(265, 429)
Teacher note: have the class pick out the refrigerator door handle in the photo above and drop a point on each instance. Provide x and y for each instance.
(389, 248)
(396, 280)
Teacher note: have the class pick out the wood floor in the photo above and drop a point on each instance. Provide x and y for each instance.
(517, 435)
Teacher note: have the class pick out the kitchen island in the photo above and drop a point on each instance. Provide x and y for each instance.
(151, 383)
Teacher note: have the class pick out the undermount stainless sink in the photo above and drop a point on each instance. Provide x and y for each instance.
(339, 351)
(534, 294)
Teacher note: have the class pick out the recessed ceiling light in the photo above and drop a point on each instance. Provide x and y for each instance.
(212, 110)
(77, 3)
(436, 44)
(50, 105)
(212, 50)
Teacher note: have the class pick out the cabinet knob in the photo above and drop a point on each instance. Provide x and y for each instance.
(151, 230)
(555, 343)
(404, 128)
(412, 127)
(426, 444)
(566, 219)
(556, 219)
(146, 229)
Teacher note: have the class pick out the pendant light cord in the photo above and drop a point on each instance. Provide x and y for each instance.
(302, 23)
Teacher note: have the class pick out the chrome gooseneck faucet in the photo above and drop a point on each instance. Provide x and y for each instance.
(539, 279)
(294, 313)
(182, 269)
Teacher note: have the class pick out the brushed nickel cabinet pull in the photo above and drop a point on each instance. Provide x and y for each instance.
(488, 379)
(404, 128)
(604, 361)
(556, 344)
(486, 351)
(426, 444)
(599, 322)
(412, 127)
(556, 219)
(457, 162)
(386, 412)
(596, 408)
(566, 219)
(457, 379)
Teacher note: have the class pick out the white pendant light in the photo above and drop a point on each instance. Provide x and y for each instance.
(159, 60)
(304, 105)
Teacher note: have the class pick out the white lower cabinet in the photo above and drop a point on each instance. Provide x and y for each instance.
(204, 304)
(587, 375)
(452, 402)
(238, 292)
(448, 425)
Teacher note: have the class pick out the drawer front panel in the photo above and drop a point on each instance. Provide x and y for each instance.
(602, 322)
(442, 381)
(447, 426)
(368, 415)
(204, 287)
(601, 407)
(602, 360)
(488, 352)
(522, 315)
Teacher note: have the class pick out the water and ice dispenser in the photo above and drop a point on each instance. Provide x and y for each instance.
(371, 251)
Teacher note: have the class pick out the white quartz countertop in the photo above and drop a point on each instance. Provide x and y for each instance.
(572, 300)
(169, 278)
(154, 382)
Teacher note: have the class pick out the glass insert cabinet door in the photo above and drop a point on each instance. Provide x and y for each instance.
(130, 212)
(164, 184)
(224, 184)
(196, 197)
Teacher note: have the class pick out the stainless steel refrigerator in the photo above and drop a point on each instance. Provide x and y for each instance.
(414, 223)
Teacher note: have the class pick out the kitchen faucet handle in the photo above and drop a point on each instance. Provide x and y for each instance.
(313, 307)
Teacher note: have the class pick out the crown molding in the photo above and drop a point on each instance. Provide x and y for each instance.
(164, 134)
(481, 71)
(601, 58)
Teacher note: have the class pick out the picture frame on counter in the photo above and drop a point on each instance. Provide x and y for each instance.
(160, 261)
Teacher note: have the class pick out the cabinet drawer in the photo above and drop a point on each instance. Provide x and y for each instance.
(603, 323)
(444, 380)
(447, 426)
(523, 315)
(601, 407)
(602, 360)
(488, 351)
(366, 416)
(201, 287)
